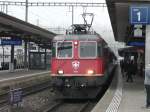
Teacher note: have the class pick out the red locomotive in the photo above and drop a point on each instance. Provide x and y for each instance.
(81, 63)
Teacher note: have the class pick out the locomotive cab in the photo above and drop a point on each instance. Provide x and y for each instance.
(76, 56)
(79, 61)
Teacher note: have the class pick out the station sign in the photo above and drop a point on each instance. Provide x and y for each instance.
(15, 96)
(138, 31)
(140, 14)
(13, 41)
(138, 44)
(135, 41)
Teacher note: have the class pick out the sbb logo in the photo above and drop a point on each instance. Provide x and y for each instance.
(75, 64)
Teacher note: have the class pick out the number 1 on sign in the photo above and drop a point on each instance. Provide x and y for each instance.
(139, 16)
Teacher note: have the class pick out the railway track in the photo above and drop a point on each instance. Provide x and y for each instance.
(53, 107)
(69, 107)
(4, 98)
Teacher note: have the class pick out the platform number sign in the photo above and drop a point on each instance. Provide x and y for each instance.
(139, 15)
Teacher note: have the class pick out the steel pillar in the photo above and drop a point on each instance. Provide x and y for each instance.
(26, 16)
(11, 64)
(45, 61)
(25, 53)
(147, 46)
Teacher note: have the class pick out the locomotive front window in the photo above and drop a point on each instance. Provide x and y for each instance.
(88, 49)
(64, 49)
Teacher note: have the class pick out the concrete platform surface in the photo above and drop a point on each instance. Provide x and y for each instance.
(134, 96)
(105, 101)
(6, 75)
(128, 97)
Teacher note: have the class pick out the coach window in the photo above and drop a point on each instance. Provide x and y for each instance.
(64, 50)
(88, 50)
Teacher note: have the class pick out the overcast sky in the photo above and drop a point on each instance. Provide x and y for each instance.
(61, 16)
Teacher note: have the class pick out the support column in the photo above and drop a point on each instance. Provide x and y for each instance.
(147, 46)
(39, 56)
(45, 60)
(3, 54)
(72, 15)
(28, 64)
(11, 65)
(25, 53)
(26, 16)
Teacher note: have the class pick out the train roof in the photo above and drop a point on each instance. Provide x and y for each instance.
(78, 37)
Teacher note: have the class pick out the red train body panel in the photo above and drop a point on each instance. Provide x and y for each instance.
(97, 65)
(68, 64)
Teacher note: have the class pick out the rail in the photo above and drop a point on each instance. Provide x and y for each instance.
(53, 107)
(83, 107)
(60, 106)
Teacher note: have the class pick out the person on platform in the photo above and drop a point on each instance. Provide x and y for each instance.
(141, 70)
(122, 66)
(129, 71)
(134, 70)
(134, 67)
(147, 86)
(125, 67)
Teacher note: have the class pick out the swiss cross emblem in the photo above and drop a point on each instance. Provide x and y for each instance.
(75, 64)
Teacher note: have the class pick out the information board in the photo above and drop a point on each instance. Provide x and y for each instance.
(140, 14)
(138, 44)
(11, 41)
(15, 96)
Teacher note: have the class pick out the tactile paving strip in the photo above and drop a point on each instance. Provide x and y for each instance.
(114, 105)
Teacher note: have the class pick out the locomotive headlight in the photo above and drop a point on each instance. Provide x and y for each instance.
(90, 72)
(75, 43)
(60, 72)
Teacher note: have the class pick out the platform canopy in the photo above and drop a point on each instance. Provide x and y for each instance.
(130, 50)
(119, 16)
(13, 27)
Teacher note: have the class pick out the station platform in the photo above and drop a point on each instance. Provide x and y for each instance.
(124, 97)
(17, 74)
(134, 96)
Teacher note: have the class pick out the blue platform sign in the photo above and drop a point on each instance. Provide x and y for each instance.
(15, 96)
(138, 44)
(15, 41)
(139, 14)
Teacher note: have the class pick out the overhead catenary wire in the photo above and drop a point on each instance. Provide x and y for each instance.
(66, 4)
(75, 4)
